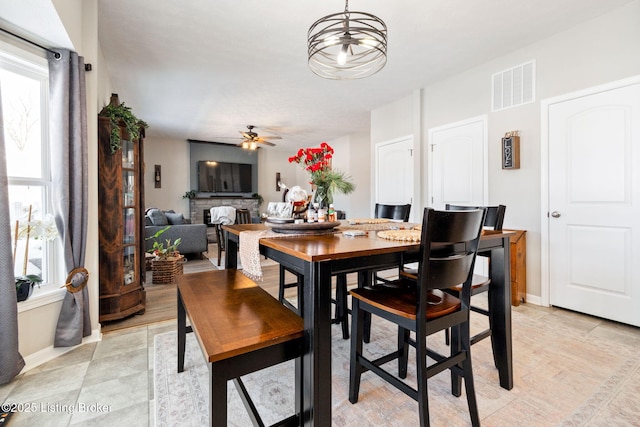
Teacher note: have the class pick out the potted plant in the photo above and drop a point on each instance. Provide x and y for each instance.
(258, 198)
(45, 230)
(163, 250)
(168, 261)
(25, 285)
(191, 194)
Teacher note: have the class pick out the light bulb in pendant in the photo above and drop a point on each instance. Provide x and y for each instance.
(342, 56)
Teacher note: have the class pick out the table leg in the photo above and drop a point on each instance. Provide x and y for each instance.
(231, 251)
(182, 332)
(500, 311)
(316, 361)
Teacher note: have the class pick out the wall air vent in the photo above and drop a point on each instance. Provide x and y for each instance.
(513, 87)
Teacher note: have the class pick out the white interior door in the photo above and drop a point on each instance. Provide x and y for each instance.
(594, 203)
(458, 170)
(394, 172)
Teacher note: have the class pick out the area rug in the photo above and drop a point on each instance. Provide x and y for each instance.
(557, 382)
(182, 399)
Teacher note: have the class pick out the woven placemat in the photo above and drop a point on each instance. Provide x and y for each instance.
(357, 221)
(400, 235)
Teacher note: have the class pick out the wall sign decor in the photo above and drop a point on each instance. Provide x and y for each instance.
(157, 176)
(511, 150)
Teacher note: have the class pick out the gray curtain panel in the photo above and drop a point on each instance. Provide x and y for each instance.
(11, 362)
(68, 131)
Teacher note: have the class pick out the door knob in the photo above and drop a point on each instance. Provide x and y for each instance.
(555, 214)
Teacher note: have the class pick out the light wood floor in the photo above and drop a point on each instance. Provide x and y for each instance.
(161, 299)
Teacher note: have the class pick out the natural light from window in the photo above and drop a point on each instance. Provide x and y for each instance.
(23, 89)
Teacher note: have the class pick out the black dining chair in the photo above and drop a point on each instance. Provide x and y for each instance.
(400, 212)
(480, 283)
(243, 216)
(220, 240)
(397, 212)
(448, 248)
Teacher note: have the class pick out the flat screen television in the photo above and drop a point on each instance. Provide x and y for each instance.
(222, 177)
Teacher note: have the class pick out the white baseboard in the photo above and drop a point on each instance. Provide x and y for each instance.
(51, 352)
(534, 299)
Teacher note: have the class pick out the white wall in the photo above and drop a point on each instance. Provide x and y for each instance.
(599, 51)
(271, 161)
(173, 157)
(358, 166)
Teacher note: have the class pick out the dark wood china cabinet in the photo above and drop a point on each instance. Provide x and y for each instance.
(120, 219)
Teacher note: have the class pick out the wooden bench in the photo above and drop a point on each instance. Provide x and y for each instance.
(240, 329)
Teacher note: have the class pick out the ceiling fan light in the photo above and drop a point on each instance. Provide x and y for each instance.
(347, 45)
(253, 146)
(245, 145)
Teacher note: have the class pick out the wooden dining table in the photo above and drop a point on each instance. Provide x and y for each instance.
(319, 257)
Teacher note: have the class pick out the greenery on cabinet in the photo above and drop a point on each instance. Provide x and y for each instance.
(120, 114)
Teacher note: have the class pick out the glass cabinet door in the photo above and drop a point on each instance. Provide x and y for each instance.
(128, 265)
(128, 188)
(127, 154)
(129, 228)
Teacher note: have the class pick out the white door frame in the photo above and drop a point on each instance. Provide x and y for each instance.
(545, 280)
(485, 154)
(416, 183)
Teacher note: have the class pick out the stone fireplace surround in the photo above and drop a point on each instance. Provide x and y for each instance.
(198, 205)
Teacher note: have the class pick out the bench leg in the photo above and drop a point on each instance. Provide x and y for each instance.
(299, 384)
(217, 397)
(182, 332)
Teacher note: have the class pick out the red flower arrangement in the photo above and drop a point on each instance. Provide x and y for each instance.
(314, 160)
(317, 161)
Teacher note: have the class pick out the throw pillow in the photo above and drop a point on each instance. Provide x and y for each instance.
(157, 217)
(174, 218)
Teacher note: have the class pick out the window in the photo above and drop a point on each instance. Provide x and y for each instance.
(24, 91)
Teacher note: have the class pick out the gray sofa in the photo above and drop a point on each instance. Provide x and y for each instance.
(194, 236)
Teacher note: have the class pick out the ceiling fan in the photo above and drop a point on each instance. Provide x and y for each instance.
(252, 139)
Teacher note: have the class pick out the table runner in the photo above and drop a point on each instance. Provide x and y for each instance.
(250, 250)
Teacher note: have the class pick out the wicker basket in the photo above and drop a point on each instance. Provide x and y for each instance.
(166, 270)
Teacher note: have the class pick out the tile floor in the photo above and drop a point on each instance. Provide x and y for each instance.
(111, 382)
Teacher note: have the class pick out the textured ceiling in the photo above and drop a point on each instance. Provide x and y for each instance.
(202, 69)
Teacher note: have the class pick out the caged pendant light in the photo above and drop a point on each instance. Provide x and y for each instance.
(347, 45)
